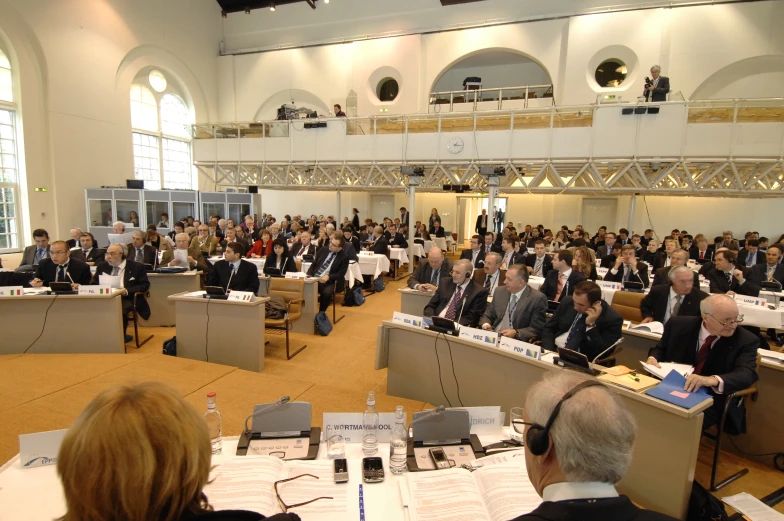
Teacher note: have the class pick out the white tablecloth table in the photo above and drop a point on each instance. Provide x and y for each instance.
(373, 265)
(399, 254)
(418, 250)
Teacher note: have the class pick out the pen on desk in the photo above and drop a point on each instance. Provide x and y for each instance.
(361, 504)
(633, 377)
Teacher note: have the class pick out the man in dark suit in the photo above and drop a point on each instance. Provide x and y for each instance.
(476, 254)
(562, 279)
(88, 252)
(380, 243)
(428, 275)
(517, 310)
(663, 258)
(458, 298)
(498, 220)
(627, 269)
(606, 249)
(438, 231)
(608, 261)
(539, 264)
(584, 323)
(396, 239)
(482, 222)
(771, 270)
(702, 253)
(134, 280)
(305, 246)
(509, 256)
(490, 244)
(330, 267)
(404, 216)
(659, 87)
(352, 240)
(60, 267)
(612, 428)
(73, 242)
(33, 254)
(726, 277)
(750, 255)
(231, 236)
(678, 258)
(724, 355)
(680, 298)
(233, 273)
(141, 253)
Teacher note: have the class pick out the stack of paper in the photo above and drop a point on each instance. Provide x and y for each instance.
(752, 508)
(666, 367)
(671, 390)
(651, 327)
(771, 356)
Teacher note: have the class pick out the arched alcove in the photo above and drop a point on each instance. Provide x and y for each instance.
(497, 67)
(757, 77)
(300, 98)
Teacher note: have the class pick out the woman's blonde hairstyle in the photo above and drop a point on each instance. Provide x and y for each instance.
(135, 453)
(586, 260)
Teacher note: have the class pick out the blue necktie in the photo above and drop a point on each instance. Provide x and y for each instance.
(326, 264)
(574, 337)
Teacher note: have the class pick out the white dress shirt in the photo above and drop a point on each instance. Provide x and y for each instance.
(578, 490)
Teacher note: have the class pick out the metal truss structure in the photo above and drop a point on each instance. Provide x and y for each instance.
(737, 177)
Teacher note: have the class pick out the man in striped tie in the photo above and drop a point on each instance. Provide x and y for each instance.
(724, 355)
(330, 268)
(459, 299)
(540, 263)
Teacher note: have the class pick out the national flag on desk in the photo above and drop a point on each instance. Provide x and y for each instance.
(104, 291)
(15, 292)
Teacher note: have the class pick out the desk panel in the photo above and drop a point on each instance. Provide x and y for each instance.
(162, 285)
(414, 302)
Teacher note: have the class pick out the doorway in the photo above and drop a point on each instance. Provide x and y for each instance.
(599, 212)
(469, 208)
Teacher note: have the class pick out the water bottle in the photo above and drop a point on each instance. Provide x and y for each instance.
(213, 418)
(398, 443)
(370, 426)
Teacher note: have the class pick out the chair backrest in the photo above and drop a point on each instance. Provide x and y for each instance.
(627, 304)
(289, 289)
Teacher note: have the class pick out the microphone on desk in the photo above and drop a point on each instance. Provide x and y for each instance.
(432, 412)
(461, 309)
(609, 348)
(281, 401)
(228, 285)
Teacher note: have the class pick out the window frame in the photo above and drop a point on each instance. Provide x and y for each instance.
(12, 107)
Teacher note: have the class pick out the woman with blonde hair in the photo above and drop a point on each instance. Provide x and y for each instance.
(560, 241)
(140, 453)
(585, 263)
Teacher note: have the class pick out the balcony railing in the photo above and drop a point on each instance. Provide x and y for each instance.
(497, 98)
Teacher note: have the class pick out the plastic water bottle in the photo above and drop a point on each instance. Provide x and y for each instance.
(370, 426)
(398, 443)
(213, 418)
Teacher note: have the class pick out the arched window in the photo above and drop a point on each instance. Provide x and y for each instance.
(9, 165)
(161, 134)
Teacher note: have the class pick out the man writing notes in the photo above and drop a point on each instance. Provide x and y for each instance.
(584, 323)
(459, 298)
(329, 267)
(724, 355)
(517, 310)
(428, 274)
(579, 440)
(60, 267)
(133, 279)
(679, 298)
(476, 254)
(627, 269)
(232, 273)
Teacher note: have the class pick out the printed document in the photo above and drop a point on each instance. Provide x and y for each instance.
(666, 367)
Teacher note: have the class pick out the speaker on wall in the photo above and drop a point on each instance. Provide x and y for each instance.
(253, 189)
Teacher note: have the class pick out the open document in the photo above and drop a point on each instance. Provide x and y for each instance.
(248, 484)
(493, 493)
(650, 327)
(666, 367)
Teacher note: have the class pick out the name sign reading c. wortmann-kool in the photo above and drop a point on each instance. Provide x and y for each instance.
(350, 426)
(480, 336)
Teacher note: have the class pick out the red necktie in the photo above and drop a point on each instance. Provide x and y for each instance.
(702, 255)
(702, 354)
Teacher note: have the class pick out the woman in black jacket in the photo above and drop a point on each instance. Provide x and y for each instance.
(280, 257)
(355, 220)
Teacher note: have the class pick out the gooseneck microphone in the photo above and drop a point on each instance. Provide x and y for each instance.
(432, 412)
(611, 347)
(465, 297)
(281, 401)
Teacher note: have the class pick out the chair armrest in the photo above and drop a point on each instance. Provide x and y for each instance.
(742, 393)
(294, 301)
(136, 295)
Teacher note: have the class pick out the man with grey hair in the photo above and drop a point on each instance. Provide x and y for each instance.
(492, 271)
(579, 439)
(679, 298)
(724, 355)
(380, 243)
(75, 234)
(140, 252)
(678, 257)
(657, 86)
(517, 310)
(192, 254)
(459, 299)
(428, 274)
(118, 227)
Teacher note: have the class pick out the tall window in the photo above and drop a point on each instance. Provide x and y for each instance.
(161, 134)
(9, 170)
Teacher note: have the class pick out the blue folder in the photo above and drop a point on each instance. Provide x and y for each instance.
(671, 390)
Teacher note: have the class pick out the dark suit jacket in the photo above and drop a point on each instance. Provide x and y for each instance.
(659, 261)
(289, 266)
(95, 255)
(662, 277)
(529, 316)
(134, 281)
(430, 222)
(380, 246)
(759, 273)
(354, 241)
(642, 271)
(405, 218)
(398, 241)
(78, 270)
(613, 509)
(659, 94)
(695, 254)
(481, 230)
(469, 255)
(337, 273)
(607, 261)
(439, 233)
(240, 240)
(296, 247)
(517, 258)
(550, 285)
(424, 273)
(475, 297)
(246, 278)
(656, 301)
(148, 252)
(744, 253)
(719, 284)
(606, 332)
(355, 221)
(733, 359)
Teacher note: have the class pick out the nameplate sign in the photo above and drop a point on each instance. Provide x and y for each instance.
(40, 448)
(485, 420)
(244, 296)
(95, 290)
(751, 301)
(519, 347)
(349, 425)
(297, 275)
(480, 336)
(11, 291)
(614, 286)
(406, 319)
(602, 272)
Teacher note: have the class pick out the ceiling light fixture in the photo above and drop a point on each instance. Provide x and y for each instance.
(272, 7)
(247, 10)
(326, 1)
(224, 14)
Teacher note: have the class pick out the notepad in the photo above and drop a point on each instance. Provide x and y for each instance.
(637, 382)
(650, 327)
(671, 390)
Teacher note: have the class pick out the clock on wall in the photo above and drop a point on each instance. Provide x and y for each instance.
(455, 145)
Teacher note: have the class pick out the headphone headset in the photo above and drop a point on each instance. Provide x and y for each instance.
(538, 438)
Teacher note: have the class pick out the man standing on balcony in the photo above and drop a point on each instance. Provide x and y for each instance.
(659, 86)
(339, 111)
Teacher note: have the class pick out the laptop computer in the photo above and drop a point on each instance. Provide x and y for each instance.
(62, 288)
(573, 360)
(215, 292)
(272, 272)
(633, 286)
(441, 325)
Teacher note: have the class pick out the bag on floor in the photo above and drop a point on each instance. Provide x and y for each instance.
(359, 296)
(704, 506)
(275, 307)
(170, 346)
(378, 285)
(323, 324)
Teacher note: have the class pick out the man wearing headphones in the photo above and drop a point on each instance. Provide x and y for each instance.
(133, 279)
(578, 444)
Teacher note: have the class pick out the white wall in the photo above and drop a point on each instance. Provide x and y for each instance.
(494, 76)
(75, 64)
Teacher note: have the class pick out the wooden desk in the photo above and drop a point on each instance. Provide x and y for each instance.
(413, 302)
(162, 285)
(62, 330)
(227, 332)
(665, 454)
(636, 345)
(309, 307)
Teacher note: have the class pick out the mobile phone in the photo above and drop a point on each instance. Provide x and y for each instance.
(439, 458)
(341, 471)
(372, 470)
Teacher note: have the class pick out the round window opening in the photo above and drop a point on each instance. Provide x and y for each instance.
(388, 89)
(611, 73)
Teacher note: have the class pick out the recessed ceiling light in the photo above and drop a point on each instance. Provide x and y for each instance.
(272, 7)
